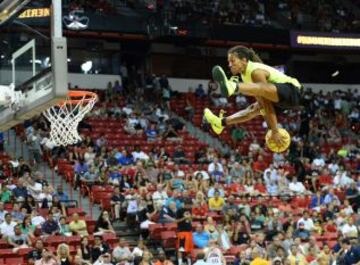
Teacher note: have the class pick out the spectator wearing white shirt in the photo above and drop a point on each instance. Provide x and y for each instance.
(333, 167)
(89, 155)
(307, 221)
(331, 197)
(34, 188)
(139, 155)
(36, 218)
(211, 166)
(341, 180)
(296, 186)
(3, 212)
(7, 227)
(159, 196)
(349, 230)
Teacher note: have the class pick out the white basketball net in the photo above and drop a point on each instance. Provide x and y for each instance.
(65, 118)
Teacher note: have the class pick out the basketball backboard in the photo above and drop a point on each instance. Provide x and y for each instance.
(33, 57)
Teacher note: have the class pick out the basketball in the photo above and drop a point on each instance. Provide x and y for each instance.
(273, 146)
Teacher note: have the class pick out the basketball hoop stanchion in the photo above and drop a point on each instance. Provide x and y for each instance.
(65, 117)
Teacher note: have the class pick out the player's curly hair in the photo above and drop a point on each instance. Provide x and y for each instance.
(244, 52)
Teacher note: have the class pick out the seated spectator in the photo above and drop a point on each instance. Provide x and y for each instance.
(201, 238)
(103, 224)
(19, 239)
(7, 227)
(349, 230)
(168, 214)
(28, 228)
(139, 154)
(241, 101)
(301, 232)
(151, 133)
(200, 92)
(295, 256)
(159, 196)
(99, 248)
(117, 200)
(216, 203)
(47, 259)
(179, 156)
(16, 214)
(84, 250)
(307, 221)
(5, 194)
(139, 249)
(36, 253)
(77, 226)
(20, 191)
(63, 254)
(36, 218)
(64, 229)
(238, 133)
(104, 259)
(331, 197)
(122, 253)
(50, 226)
(296, 186)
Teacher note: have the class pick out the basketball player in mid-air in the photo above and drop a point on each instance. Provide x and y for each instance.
(270, 87)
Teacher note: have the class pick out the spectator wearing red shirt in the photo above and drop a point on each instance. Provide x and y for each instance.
(259, 186)
(260, 165)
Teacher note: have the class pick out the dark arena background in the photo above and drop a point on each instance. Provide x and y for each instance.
(106, 157)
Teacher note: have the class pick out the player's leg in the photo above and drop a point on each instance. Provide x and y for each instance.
(230, 87)
(219, 122)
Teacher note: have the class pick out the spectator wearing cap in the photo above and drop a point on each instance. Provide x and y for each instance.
(301, 232)
(201, 238)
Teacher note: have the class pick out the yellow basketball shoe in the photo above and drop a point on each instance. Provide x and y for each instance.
(215, 121)
(228, 87)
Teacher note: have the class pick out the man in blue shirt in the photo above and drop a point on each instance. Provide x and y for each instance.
(20, 190)
(352, 255)
(63, 197)
(201, 238)
(50, 227)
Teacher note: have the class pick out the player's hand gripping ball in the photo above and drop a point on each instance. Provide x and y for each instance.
(273, 146)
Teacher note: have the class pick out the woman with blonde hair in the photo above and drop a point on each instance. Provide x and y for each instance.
(63, 254)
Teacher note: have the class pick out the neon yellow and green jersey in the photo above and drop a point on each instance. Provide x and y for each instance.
(275, 76)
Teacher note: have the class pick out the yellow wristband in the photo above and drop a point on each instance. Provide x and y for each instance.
(262, 112)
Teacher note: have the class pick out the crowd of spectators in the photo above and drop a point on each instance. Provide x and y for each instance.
(280, 210)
